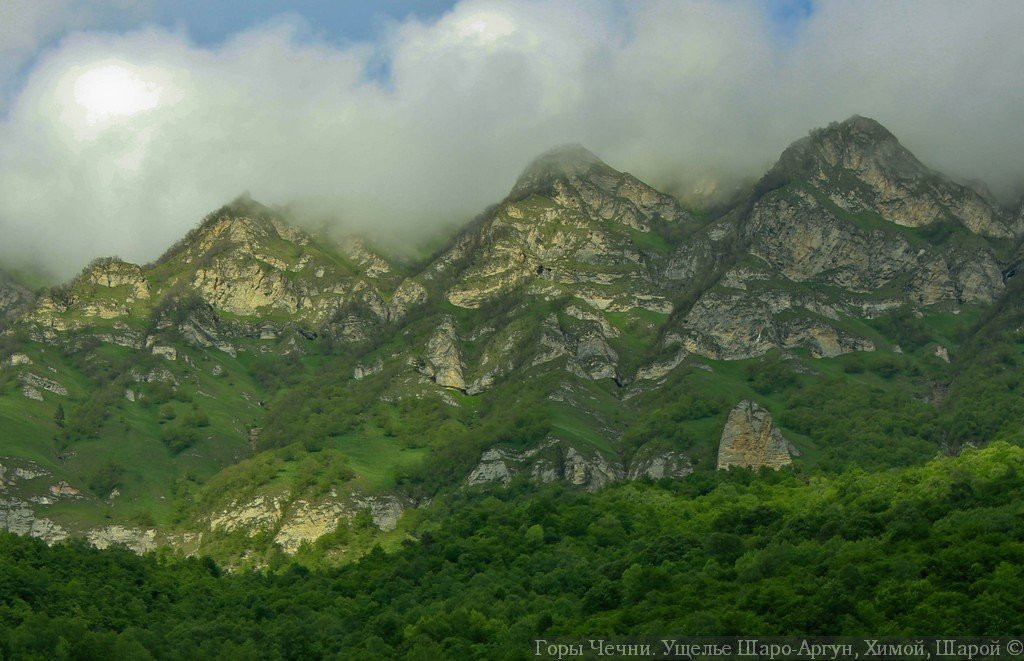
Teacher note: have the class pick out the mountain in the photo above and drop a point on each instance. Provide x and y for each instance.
(861, 166)
(826, 239)
(13, 296)
(259, 387)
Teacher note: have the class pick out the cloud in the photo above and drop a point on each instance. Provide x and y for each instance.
(28, 26)
(118, 143)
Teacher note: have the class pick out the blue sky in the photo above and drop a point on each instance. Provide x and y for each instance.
(208, 22)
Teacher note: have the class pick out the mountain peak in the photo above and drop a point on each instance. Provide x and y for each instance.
(860, 164)
(851, 144)
(243, 221)
(860, 127)
(245, 206)
(566, 160)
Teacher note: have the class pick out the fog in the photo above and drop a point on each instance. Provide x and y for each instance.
(119, 142)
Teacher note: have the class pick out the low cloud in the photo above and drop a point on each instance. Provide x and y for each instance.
(118, 143)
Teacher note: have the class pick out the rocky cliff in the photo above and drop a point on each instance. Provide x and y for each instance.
(565, 335)
(750, 439)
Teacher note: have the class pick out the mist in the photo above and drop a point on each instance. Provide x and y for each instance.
(119, 142)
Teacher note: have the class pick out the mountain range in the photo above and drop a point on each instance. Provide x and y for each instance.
(259, 388)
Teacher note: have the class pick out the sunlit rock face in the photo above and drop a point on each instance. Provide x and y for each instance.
(750, 439)
(571, 221)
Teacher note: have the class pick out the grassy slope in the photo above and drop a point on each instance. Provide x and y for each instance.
(153, 475)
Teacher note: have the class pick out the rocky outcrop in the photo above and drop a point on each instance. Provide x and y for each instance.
(733, 325)
(363, 371)
(22, 494)
(308, 521)
(385, 509)
(496, 466)
(31, 384)
(64, 490)
(591, 471)
(550, 461)
(555, 460)
(112, 273)
(583, 344)
(577, 179)
(372, 264)
(798, 235)
(18, 516)
(138, 540)
(750, 439)
(823, 236)
(262, 513)
(294, 522)
(654, 463)
(408, 295)
(16, 360)
(443, 357)
(880, 175)
(245, 288)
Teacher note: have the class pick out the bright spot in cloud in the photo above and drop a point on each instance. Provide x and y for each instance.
(486, 27)
(113, 90)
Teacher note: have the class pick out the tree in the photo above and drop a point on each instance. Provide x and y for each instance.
(58, 416)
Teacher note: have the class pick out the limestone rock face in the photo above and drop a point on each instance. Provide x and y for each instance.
(371, 263)
(550, 461)
(261, 513)
(570, 221)
(36, 382)
(731, 325)
(494, 466)
(242, 272)
(571, 228)
(800, 236)
(18, 517)
(444, 357)
(554, 461)
(409, 294)
(890, 180)
(113, 273)
(655, 464)
(580, 180)
(249, 263)
(304, 519)
(17, 359)
(140, 541)
(307, 521)
(244, 288)
(823, 236)
(21, 501)
(751, 439)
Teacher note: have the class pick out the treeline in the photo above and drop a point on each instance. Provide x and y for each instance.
(937, 548)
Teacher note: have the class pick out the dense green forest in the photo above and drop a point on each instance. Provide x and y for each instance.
(920, 550)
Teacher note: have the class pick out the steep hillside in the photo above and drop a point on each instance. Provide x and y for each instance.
(260, 387)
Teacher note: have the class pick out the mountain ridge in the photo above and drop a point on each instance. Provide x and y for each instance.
(585, 329)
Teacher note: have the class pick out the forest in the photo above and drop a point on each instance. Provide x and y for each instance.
(913, 551)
